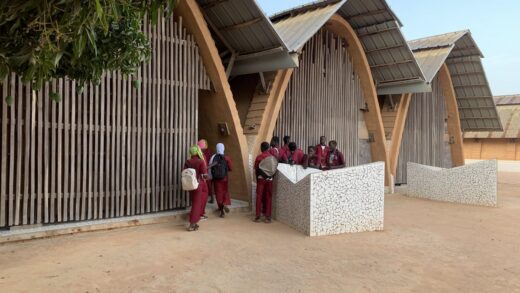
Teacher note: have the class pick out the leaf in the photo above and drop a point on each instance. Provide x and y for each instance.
(9, 100)
(57, 58)
(101, 15)
(55, 97)
(136, 84)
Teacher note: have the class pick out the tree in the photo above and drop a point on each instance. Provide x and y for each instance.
(41, 40)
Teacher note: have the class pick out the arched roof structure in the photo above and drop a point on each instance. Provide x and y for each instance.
(464, 59)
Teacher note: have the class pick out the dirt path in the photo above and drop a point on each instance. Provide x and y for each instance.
(426, 246)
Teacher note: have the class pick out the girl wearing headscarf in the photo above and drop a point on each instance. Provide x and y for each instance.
(203, 144)
(200, 195)
(221, 165)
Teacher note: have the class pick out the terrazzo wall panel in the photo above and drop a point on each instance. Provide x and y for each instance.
(474, 184)
(332, 202)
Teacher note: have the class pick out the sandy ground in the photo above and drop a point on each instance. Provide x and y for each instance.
(426, 246)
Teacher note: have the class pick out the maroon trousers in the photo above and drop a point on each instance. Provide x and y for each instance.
(198, 197)
(264, 197)
(222, 193)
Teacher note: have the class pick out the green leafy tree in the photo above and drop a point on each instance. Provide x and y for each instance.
(41, 40)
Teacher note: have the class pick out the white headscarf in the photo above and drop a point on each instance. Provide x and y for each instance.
(220, 149)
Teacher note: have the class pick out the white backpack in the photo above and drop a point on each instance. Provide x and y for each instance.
(189, 179)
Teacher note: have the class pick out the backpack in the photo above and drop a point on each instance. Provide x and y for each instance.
(189, 179)
(220, 170)
(267, 167)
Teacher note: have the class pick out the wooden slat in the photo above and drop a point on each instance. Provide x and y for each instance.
(324, 78)
(3, 162)
(109, 151)
(59, 153)
(53, 161)
(66, 149)
(17, 92)
(73, 143)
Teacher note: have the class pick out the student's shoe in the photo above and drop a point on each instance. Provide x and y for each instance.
(193, 227)
(257, 220)
(268, 220)
(226, 209)
(222, 214)
(203, 218)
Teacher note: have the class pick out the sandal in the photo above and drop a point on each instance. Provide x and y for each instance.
(226, 209)
(193, 227)
(257, 220)
(222, 214)
(268, 220)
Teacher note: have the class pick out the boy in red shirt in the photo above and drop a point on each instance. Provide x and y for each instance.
(310, 160)
(276, 150)
(286, 141)
(335, 159)
(294, 156)
(264, 186)
(321, 152)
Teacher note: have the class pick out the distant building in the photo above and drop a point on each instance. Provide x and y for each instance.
(501, 145)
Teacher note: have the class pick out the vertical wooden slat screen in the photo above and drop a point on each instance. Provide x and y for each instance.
(323, 98)
(113, 150)
(423, 139)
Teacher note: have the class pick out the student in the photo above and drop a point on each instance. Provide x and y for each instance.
(310, 160)
(264, 186)
(203, 144)
(286, 140)
(294, 156)
(276, 150)
(198, 196)
(335, 159)
(321, 152)
(220, 166)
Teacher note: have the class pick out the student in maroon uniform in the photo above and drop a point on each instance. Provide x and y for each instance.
(294, 156)
(264, 186)
(310, 160)
(200, 195)
(203, 144)
(335, 159)
(276, 150)
(321, 152)
(220, 166)
(286, 141)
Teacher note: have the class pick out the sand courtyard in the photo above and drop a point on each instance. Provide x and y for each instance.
(426, 246)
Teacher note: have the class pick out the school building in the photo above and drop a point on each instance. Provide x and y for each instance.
(224, 71)
(460, 100)
(500, 145)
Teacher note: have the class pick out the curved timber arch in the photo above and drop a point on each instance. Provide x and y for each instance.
(454, 125)
(339, 26)
(218, 105)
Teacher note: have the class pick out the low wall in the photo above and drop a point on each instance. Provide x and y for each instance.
(332, 202)
(474, 184)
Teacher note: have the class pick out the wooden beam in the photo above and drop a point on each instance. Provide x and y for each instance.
(454, 126)
(240, 25)
(211, 4)
(397, 132)
(369, 13)
(373, 120)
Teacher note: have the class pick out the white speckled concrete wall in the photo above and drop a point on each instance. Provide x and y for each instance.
(474, 184)
(333, 202)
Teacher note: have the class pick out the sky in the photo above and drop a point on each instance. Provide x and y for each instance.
(494, 26)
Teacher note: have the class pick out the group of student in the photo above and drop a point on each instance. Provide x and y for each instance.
(210, 173)
(322, 156)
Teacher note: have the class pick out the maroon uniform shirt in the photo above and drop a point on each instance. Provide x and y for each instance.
(321, 153)
(297, 157)
(335, 158)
